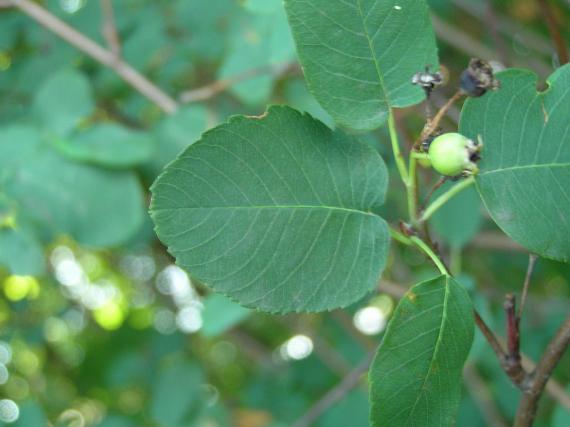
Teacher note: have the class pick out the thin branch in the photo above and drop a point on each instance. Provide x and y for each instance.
(512, 363)
(556, 390)
(490, 337)
(555, 35)
(532, 258)
(213, 89)
(433, 124)
(335, 394)
(539, 378)
(109, 28)
(95, 51)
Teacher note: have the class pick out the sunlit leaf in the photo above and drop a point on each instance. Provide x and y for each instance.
(415, 379)
(277, 212)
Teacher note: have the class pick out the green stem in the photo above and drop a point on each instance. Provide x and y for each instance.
(412, 190)
(429, 252)
(398, 157)
(419, 156)
(400, 237)
(445, 197)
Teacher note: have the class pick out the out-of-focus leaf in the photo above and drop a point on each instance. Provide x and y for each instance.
(63, 100)
(220, 314)
(415, 378)
(176, 132)
(17, 144)
(20, 252)
(459, 220)
(277, 212)
(259, 41)
(205, 25)
(108, 144)
(96, 207)
(525, 168)
(116, 421)
(263, 6)
(175, 392)
(31, 414)
(299, 97)
(561, 415)
(350, 411)
(360, 55)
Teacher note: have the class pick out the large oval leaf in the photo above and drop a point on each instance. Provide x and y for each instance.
(277, 212)
(415, 379)
(359, 56)
(525, 171)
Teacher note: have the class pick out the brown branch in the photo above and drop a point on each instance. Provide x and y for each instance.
(554, 31)
(335, 394)
(213, 89)
(512, 363)
(95, 51)
(109, 29)
(539, 378)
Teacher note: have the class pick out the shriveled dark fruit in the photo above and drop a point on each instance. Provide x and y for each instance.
(478, 78)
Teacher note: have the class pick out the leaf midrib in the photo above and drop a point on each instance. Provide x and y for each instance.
(373, 53)
(437, 345)
(334, 208)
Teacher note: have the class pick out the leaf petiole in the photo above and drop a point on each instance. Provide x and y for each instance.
(445, 197)
(398, 157)
(429, 252)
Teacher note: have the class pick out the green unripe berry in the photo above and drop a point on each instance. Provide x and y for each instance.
(453, 154)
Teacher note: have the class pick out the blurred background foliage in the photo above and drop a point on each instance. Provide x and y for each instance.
(98, 327)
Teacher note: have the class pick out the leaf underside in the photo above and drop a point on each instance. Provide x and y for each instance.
(415, 379)
(276, 212)
(525, 171)
(359, 56)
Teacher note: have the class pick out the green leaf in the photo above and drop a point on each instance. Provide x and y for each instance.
(278, 212)
(175, 133)
(108, 144)
(17, 143)
(525, 168)
(259, 41)
(221, 314)
(359, 56)
(63, 100)
(20, 252)
(415, 379)
(561, 415)
(460, 219)
(175, 392)
(96, 207)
